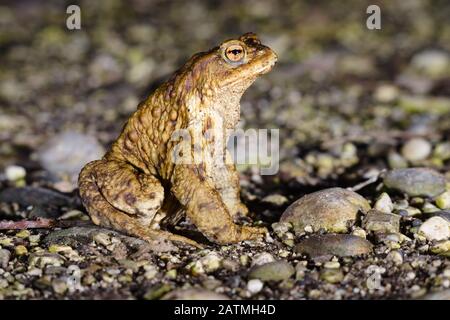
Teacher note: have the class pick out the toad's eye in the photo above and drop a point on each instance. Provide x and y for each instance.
(235, 53)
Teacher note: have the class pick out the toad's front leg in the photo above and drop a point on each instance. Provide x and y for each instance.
(205, 208)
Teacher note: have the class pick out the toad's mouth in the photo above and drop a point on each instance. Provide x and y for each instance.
(261, 65)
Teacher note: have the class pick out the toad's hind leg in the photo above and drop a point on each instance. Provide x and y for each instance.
(117, 196)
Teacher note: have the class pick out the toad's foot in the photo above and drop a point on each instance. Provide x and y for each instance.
(106, 188)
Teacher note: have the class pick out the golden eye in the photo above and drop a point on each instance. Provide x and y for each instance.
(235, 53)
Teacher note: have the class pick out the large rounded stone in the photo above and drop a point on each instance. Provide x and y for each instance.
(341, 245)
(331, 209)
(275, 271)
(67, 152)
(416, 181)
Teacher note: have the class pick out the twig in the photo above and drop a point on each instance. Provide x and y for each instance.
(363, 184)
(39, 223)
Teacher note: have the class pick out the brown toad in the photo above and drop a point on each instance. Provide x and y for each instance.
(139, 185)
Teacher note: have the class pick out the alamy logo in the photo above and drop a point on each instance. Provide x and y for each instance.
(373, 22)
(73, 21)
(220, 147)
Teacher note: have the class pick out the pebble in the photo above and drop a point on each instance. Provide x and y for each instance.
(275, 199)
(67, 152)
(42, 259)
(332, 275)
(15, 173)
(396, 161)
(21, 250)
(211, 262)
(431, 62)
(342, 245)
(416, 181)
(396, 257)
(332, 209)
(5, 256)
(435, 228)
(262, 258)
(272, 271)
(359, 232)
(441, 247)
(255, 285)
(416, 149)
(443, 200)
(194, 294)
(377, 221)
(59, 286)
(384, 203)
(386, 93)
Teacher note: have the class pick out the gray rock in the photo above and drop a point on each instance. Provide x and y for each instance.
(341, 245)
(67, 152)
(378, 221)
(5, 255)
(416, 181)
(332, 209)
(84, 235)
(46, 202)
(194, 294)
(272, 271)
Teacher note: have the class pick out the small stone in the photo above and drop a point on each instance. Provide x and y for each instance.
(332, 275)
(396, 161)
(42, 259)
(386, 93)
(15, 173)
(5, 256)
(172, 274)
(396, 257)
(244, 259)
(300, 270)
(441, 247)
(359, 232)
(157, 291)
(272, 271)
(281, 228)
(443, 200)
(150, 272)
(378, 221)
(275, 199)
(429, 208)
(431, 62)
(435, 228)
(342, 245)
(255, 285)
(262, 258)
(211, 262)
(416, 149)
(332, 209)
(230, 265)
(21, 250)
(102, 238)
(59, 286)
(384, 203)
(416, 181)
(23, 234)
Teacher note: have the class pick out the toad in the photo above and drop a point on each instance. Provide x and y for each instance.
(148, 180)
